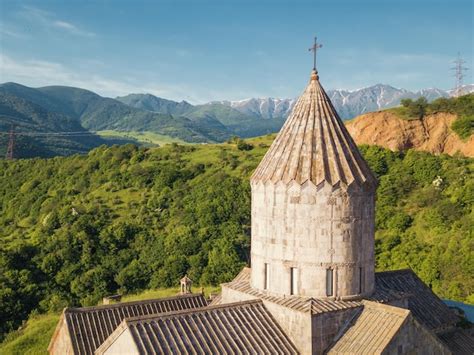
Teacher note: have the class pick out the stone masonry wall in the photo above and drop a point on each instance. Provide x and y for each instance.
(61, 342)
(416, 340)
(124, 344)
(312, 229)
(229, 295)
(326, 326)
(296, 324)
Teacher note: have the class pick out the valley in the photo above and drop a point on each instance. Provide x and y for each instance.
(145, 138)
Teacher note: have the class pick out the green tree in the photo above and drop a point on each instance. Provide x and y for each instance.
(416, 108)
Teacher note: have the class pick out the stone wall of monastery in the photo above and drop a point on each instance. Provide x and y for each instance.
(61, 342)
(295, 324)
(415, 339)
(229, 295)
(123, 344)
(312, 229)
(326, 326)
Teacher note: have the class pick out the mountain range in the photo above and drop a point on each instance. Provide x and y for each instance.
(60, 120)
(348, 103)
(220, 115)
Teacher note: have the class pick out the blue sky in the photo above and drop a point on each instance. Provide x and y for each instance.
(213, 50)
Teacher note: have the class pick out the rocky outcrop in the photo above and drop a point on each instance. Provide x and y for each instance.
(432, 134)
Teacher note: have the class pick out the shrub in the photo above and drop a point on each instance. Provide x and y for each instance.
(463, 126)
(243, 145)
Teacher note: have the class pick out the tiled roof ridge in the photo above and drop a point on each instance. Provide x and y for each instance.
(151, 317)
(131, 303)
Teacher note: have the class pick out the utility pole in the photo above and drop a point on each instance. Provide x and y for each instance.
(459, 75)
(11, 144)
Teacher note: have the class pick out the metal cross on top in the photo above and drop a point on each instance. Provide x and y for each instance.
(314, 49)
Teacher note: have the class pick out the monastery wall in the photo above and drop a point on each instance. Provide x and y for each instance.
(229, 295)
(325, 326)
(415, 339)
(122, 344)
(295, 324)
(61, 342)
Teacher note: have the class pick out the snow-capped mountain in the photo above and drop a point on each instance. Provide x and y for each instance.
(262, 107)
(466, 89)
(348, 103)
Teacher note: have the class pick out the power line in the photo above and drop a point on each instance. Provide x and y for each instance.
(66, 134)
(11, 144)
(11, 134)
(459, 75)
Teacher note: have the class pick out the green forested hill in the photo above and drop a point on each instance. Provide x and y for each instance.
(42, 115)
(58, 109)
(128, 219)
(98, 113)
(29, 117)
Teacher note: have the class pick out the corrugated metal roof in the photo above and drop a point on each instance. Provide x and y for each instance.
(235, 328)
(371, 330)
(314, 145)
(426, 307)
(90, 326)
(459, 341)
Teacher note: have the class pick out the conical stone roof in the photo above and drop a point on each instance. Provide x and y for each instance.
(314, 145)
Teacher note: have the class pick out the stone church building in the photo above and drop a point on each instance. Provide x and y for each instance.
(312, 286)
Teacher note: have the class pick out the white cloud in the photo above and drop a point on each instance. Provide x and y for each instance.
(41, 73)
(66, 25)
(72, 28)
(12, 33)
(38, 73)
(49, 19)
(34, 11)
